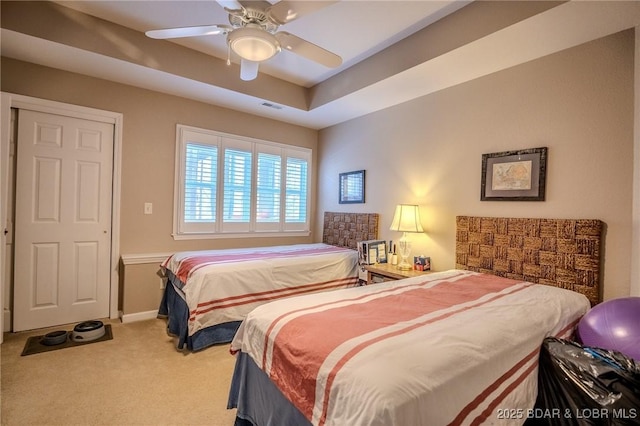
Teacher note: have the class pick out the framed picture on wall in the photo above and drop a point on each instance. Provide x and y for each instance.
(514, 175)
(351, 190)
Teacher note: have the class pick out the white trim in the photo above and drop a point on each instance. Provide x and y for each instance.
(234, 235)
(12, 100)
(58, 108)
(5, 140)
(138, 316)
(145, 258)
(634, 286)
(115, 217)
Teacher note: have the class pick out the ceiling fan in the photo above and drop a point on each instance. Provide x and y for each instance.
(253, 34)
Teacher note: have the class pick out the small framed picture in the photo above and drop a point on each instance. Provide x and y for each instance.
(372, 251)
(351, 189)
(514, 175)
(421, 263)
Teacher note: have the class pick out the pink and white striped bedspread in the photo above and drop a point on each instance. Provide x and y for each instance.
(449, 348)
(225, 285)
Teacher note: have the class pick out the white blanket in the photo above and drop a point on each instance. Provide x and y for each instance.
(455, 347)
(220, 286)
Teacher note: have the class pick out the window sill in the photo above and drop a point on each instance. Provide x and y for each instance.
(229, 235)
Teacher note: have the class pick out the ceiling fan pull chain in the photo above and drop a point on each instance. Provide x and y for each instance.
(228, 54)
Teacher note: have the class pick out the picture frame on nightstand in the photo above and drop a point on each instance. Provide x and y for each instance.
(421, 263)
(372, 251)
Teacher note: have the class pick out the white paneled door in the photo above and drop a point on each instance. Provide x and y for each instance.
(63, 220)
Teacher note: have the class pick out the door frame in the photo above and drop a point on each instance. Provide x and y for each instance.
(12, 100)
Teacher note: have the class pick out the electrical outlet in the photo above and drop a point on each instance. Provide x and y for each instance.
(148, 208)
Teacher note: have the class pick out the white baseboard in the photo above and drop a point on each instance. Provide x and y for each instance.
(138, 316)
(6, 321)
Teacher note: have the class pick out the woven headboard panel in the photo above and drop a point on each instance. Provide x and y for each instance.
(558, 252)
(346, 229)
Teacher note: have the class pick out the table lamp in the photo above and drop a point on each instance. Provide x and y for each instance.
(406, 219)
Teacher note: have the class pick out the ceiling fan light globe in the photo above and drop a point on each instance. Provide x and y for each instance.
(253, 44)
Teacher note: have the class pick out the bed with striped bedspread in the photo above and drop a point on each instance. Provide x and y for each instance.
(449, 348)
(211, 292)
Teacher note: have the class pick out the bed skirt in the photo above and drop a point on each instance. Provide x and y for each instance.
(175, 310)
(264, 401)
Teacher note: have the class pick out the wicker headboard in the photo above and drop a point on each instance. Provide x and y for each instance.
(558, 252)
(346, 229)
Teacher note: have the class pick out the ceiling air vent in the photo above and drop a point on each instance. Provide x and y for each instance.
(270, 105)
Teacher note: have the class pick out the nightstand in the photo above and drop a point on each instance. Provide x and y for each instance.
(382, 272)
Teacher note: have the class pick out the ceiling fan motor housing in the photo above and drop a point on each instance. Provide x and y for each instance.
(253, 16)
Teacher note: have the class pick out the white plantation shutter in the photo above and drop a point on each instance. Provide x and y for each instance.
(237, 186)
(269, 182)
(296, 192)
(196, 182)
(201, 168)
(233, 186)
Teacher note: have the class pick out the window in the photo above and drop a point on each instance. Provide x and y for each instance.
(232, 186)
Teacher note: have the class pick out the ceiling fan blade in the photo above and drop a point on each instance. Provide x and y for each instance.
(308, 50)
(248, 70)
(230, 4)
(189, 31)
(286, 11)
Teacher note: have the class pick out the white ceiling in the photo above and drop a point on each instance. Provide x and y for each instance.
(354, 30)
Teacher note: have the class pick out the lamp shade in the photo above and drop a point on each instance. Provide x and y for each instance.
(406, 219)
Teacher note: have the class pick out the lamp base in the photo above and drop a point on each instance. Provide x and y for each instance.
(405, 266)
(405, 251)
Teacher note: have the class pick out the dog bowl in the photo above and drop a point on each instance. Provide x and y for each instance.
(54, 338)
(88, 331)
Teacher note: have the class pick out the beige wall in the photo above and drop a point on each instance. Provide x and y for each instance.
(141, 290)
(578, 103)
(148, 143)
(148, 152)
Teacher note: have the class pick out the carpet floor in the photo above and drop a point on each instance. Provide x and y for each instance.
(138, 378)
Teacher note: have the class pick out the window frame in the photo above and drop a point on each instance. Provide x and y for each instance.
(183, 230)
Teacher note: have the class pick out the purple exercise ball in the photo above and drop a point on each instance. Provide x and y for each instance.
(613, 325)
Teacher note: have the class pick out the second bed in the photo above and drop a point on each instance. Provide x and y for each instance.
(210, 292)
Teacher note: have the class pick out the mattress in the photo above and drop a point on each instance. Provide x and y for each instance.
(455, 347)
